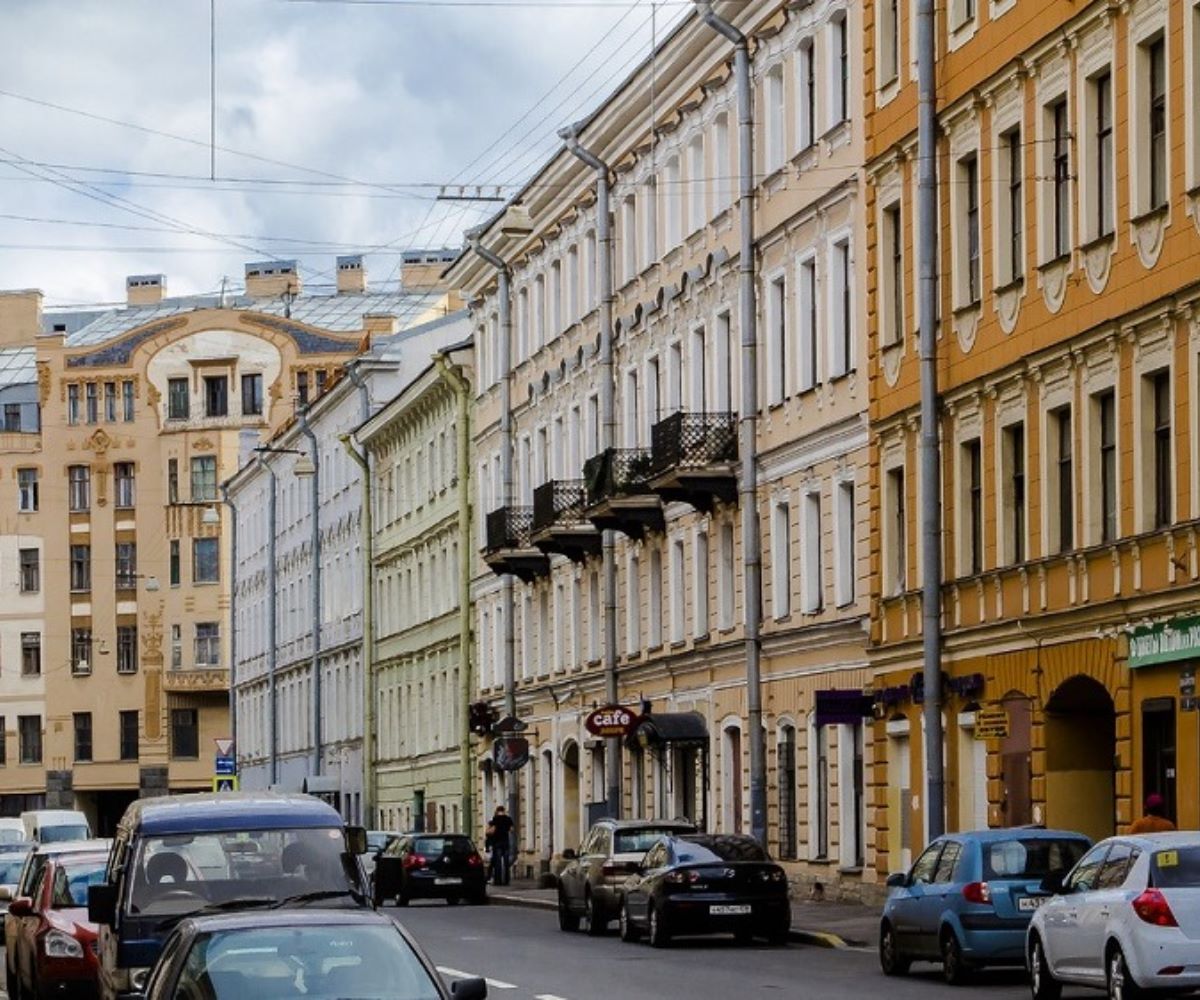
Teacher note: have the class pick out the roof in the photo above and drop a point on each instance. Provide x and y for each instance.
(388, 348)
(1159, 841)
(229, 811)
(681, 825)
(18, 366)
(1023, 832)
(297, 917)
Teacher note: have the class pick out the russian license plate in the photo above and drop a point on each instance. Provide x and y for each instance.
(1028, 904)
(447, 881)
(722, 910)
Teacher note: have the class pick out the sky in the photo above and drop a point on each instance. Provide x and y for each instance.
(354, 113)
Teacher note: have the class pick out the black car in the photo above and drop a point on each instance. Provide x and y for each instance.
(285, 953)
(707, 884)
(430, 866)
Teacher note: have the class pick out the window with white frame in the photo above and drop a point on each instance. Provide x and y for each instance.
(723, 174)
(840, 65)
(891, 272)
(895, 532)
(669, 193)
(1060, 459)
(818, 790)
(572, 291)
(697, 184)
(1010, 207)
(841, 326)
(522, 325)
(698, 371)
(589, 271)
(651, 412)
(888, 66)
(777, 343)
(806, 89)
(678, 591)
(633, 607)
(962, 14)
(781, 559)
(630, 407)
(1151, 121)
(594, 616)
(652, 190)
(1156, 449)
(814, 569)
(1013, 492)
(726, 581)
(723, 363)
(1057, 180)
(539, 312)
(773, 119)
(700, 602)
(971, 506)
(556, 299)
(844, 542)
(965, 199)
(1101, 203)
(809, 325)
(1102, 467)
(628, 238)
(674, 377)
(654, 636)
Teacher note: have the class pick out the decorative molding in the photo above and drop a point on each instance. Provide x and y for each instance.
(1052, 279)
(1097, 262)
(1149, 232)
(1007, 304)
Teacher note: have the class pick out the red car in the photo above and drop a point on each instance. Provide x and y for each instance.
(53, 946)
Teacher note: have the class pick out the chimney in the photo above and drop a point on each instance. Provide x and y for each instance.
(351, 275)
(380, 325)
(145, 289)
(270, 279)
(20, 317)
(421, 270)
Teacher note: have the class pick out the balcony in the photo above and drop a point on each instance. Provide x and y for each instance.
(619, 496)
(559, 523)
(196, 680)
(508, 546)
(693, 458)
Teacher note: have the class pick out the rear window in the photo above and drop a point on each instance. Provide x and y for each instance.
(10, 869)
(639, 841)
(1177, 868)
(72, 877)
(9, 835)
(1031, 857)
(720, 849)
(60, 834)
(454, 846)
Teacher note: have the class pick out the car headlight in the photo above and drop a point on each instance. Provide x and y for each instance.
(137, 979)
(58, 944)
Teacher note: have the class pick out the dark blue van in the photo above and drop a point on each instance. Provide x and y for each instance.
(186, 855)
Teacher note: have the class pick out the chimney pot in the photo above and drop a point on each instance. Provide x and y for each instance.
(269, 279)
(351, 274)
(145, 289)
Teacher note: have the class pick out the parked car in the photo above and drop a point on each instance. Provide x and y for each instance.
(12, 861)
(706, 884)
(430, 866)
(12, 831)
(290, 953)
(969, 897)
(33, 874)
(53, 943)
(48, 826)
(377, 840)
(1125, 919)
(591, 883)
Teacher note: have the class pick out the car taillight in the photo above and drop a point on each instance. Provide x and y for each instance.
(1153, 908)
(682, 877)
(474, 860)
(773, 875)
(977, 892)
(414, 861)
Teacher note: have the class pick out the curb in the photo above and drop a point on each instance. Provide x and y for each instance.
(819, 939)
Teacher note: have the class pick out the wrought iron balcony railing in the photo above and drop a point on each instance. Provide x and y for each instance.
(617, 472)
(693, 440)
(509, 528)
(558, 502)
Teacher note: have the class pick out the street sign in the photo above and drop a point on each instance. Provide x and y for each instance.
(611, 720)
(224, 747)
(225, 783)
(224, 766)
(991, 723)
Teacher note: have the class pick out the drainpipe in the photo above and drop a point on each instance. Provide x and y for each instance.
(452, 374)
(315, 552)
(366, 654)
(931, 501)
(506, 476)
(233, 561)
(748, 425)
(272, 626)
(612, 753)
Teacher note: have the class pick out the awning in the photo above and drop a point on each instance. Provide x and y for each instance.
(321, 784)
(677, 728)
(843, 707)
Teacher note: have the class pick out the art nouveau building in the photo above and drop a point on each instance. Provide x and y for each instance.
(1070, 164)
(668, 484)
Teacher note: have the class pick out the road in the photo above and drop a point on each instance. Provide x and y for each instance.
(526, 957)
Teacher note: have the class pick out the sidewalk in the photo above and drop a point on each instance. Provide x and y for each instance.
(826, 925)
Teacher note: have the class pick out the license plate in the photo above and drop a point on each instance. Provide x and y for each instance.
(447, 881)
(729, 911)
(1029, 903)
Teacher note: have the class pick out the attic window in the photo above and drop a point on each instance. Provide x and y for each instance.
(60, 327)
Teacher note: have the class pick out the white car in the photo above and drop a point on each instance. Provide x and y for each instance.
(1126, 919)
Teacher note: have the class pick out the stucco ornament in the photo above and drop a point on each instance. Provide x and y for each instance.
(1149, 232)
(1053, 281)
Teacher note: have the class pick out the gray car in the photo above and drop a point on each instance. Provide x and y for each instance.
(590, 886)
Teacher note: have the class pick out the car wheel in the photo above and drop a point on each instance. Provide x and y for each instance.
(955, 969)
(628, 931)
(779, 935)
(660, 936)
(594, 914)
(567, 921)
(890, 960)
(1042, 983)
(1120, 983)
(479, 898)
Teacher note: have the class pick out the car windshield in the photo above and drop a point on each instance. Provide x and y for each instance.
(452, 846)
(9, 835)
(1177, 868)
(10, 868)
(187, 872)
(377, 841)
(59, 834)
(1030, 857)
(701, 850)
(72, 877)
(641, 840)
(324, 963)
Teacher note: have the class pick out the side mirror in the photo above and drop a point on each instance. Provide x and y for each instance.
(356, 839)
(102, 903)
(1053, 885)
(569, 855)
(897, 881)
(22, 906)
(469, 989)
(5, 894)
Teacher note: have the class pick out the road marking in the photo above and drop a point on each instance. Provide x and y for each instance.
(548, 996)
(495, 984)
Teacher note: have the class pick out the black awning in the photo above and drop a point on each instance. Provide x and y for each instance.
(678, 728)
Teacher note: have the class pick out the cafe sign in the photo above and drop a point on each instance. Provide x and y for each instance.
(611, 720)
(1165, 642)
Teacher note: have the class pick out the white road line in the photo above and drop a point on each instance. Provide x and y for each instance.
(495, 984)
(548, 996)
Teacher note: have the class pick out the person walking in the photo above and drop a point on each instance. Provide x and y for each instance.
(498, 839)
(1155, 819)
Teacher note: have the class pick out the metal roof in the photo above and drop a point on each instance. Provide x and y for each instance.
(18, 366)
(229, 811)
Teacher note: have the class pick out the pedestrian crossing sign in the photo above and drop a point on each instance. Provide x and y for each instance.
(225, 783)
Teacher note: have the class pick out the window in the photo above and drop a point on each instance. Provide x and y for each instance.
(206, 560)
(773, 120)
(83, 736)
(27, 490)
(781, 559)
(174, 560)
(216, 396)
(30, 570)
(807, 70)
(892, 270)
(895, 533)
(697, 184)
(700, 586)
(1155, 60)
(79, 481)
(92, 398)
(31, 654)
(127, 406)
(176, 647)
(845, 545)
(889, 41)
(678, 591)
(1012, 208)
(81, 567)
(968, 198)
(808, 324)
(178, 402)
(208, 644)
(629, 238)
(1104, 406)
(1061, 179)
(126, 566)
(1062, 481)
(321, 377)
(110, 401)
(1102, 151)
(81, 651)
(1158, 387)
(123, 483)
(777, 353)
(963, 13)
(12, 417)
(1013, 492)
(128, 722)
(814, 569)
(722, 168)
(972, 506)
(786, 781)
(172, 480)
(73, 404)
(633, 608)
(252, 395)
(127, 658)
(654, 636)
(302, 388)
(204, 478)
(29, 732)
(725, 609)
(672, 224)
(819, 786)
(3, 741)
(842, 327)
(841, 82)
(185, 733)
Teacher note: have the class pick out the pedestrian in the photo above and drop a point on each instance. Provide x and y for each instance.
(499, 841)
(1155, 819)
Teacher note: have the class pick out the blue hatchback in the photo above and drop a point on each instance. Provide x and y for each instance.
(969, 898)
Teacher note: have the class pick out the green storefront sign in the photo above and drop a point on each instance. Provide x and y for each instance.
(1167, 642)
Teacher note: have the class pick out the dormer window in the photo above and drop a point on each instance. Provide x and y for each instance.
(178, 403)
(216, 396)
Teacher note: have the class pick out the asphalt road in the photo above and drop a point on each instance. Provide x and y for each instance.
(525, 956)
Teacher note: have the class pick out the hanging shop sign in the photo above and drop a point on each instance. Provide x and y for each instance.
(1165, 642)
(991, 723)
(611, 720)
(510, 753)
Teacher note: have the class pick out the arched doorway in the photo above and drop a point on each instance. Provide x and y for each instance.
(1016, 756)
(572, 833)
(1081, 738)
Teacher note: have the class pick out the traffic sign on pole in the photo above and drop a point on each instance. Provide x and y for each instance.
(224, 766)
(224, 747)
(225, 783)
